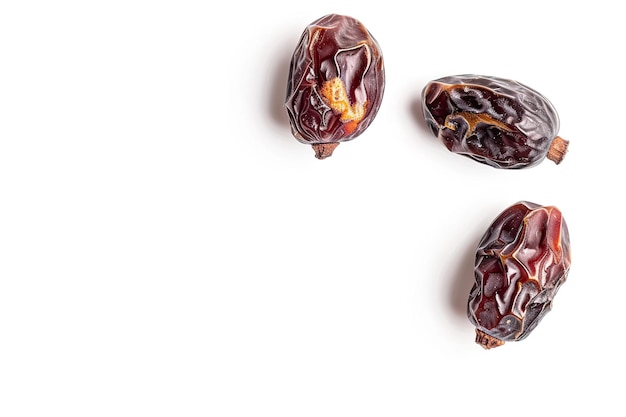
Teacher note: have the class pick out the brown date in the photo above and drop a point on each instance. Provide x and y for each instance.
(336, 83)
(521, 261)
(495, 121)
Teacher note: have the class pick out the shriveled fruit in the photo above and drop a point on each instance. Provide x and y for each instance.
(521, 261)
(336, 83)
(495, 121)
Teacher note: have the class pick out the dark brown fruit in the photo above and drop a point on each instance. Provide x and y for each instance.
(336, 83)
(521, 261)
(492, 120)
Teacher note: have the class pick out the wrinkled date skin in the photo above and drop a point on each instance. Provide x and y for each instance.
(492, 120)
(336, 83)
(521, 261)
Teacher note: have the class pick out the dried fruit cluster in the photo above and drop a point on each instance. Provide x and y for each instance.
(335, 89)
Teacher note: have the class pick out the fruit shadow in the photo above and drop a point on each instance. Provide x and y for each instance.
(461, 279)
(417, 113)
(279, 71)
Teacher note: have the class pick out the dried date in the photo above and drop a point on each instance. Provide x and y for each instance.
(495, 121)
(336, 83)
(521, 261)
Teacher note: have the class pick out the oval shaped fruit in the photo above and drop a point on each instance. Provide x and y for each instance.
(336, 83)
(521, 261)
(495, 121)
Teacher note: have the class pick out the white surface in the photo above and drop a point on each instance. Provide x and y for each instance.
(168, 249)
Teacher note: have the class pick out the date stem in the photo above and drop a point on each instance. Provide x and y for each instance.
(558, 149)
(486, 341)
(324, 150)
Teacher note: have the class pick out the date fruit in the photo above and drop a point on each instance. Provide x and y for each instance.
(336, 83)
(521, 261)
(495, 121)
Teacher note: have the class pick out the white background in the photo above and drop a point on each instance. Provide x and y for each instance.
(167, 248)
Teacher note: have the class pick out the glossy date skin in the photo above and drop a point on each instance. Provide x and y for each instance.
(336, 83)
(495, 121)
(521, 261)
